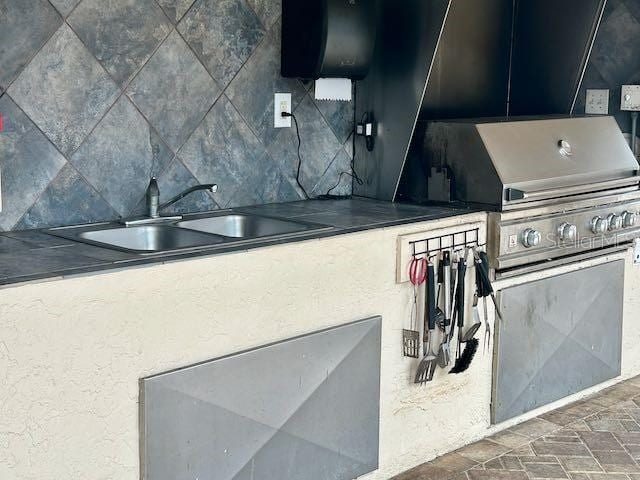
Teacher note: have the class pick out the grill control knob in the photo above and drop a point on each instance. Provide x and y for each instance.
(629, 219)
(599, 225)
(568, 232)
(531, 238)
(615, 222)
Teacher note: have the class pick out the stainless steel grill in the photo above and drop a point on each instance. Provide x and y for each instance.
(557, 187)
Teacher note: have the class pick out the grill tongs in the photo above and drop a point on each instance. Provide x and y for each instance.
(430, 340)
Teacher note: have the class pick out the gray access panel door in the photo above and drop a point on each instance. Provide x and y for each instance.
(559, 336)
(304, 409)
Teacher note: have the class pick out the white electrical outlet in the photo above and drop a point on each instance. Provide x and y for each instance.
(597, 102)
(282, 103)
(630, 98)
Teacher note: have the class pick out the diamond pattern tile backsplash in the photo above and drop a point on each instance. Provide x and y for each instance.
(98, 95)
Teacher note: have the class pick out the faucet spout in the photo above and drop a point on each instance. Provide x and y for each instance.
(211, 187)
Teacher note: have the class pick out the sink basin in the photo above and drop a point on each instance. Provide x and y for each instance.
(149, 238)
(245, 226)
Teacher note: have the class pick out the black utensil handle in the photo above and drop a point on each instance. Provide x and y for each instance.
(484, 272)
(462, 272)
(479, 279)
(431, 297)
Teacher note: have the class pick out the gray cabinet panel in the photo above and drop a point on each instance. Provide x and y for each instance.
(305, 408)
(559, 336)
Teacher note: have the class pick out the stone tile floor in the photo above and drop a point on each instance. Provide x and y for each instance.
(597, 438)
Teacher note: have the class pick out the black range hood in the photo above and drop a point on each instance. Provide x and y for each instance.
(447, 59)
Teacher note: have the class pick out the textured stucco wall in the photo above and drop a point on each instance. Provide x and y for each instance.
(72, 350)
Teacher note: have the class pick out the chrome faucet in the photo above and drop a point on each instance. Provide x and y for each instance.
(155, 208)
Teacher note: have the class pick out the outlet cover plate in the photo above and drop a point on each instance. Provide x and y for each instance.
(597, 102)
(281, 103)
(630, 98)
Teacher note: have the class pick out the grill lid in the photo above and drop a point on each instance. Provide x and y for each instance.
(502, 162)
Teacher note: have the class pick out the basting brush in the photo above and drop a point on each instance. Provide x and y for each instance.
(463, 362)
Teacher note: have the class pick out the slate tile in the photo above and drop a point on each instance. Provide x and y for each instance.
(175, 9)
(562, 439)
(25, 26)
(496, 475)
(339, 116)
(224, 150)
(252, 90)
(121, 155)
(524, 450)
(482, 451)
(121, 34)
(64, 6)
(454, 462)
(628, 438)
(268, 11)
(8, 244)
(600, 441)
(277, 185)
(495, 464)
(633, 450)
(29, 163)
(68, 200)
(512, 463)
(348, 146)
(174, 180)
(223, 33)
(535, 428)
(534, 458)
(607, 476)
(319, 145)
(37, 240)
(613, 54)
(630, 425)
(580, 464)
(545, 470)
(426, 471)
(43, 261)
(335, 179)
(605, 425)
(614, 414)
(579, 426)
(509, 439)
(634, 7)
(174, 91)
(560, 418)
(569, 449)
(47, 90)
(613, 458)
(579, 476)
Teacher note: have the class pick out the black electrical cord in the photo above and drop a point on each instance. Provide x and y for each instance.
(353, 174)
(295, 120)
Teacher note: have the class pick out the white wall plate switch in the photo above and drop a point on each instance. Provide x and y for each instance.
(630, 98)
(282, 103)
(597, 102)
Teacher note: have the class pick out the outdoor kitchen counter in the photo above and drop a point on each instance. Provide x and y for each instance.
(34, 255)
(73, 350)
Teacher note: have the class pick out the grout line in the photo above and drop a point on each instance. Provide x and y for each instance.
(38, 50)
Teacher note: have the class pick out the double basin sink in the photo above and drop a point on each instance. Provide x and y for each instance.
(185, 234)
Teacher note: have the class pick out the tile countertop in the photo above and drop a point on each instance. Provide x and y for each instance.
(33, 255)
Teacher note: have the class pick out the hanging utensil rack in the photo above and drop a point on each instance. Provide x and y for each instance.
(455, 241)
